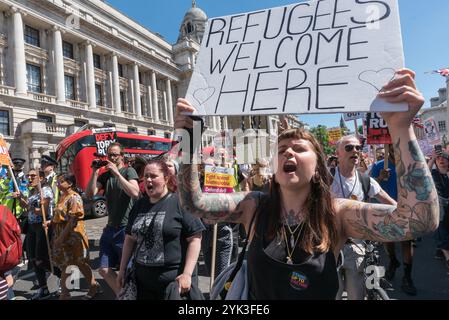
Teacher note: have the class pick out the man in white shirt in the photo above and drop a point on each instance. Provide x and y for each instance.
(348, 183)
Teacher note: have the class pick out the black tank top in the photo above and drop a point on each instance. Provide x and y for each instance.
(315, 278)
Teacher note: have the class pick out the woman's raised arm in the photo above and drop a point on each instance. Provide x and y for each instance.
(417, 209)
(232, 207)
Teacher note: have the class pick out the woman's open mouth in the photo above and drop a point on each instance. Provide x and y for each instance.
(289, 167)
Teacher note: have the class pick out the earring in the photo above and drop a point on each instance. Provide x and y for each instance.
(315, 178)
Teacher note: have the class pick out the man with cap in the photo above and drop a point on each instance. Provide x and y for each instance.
(48, 165)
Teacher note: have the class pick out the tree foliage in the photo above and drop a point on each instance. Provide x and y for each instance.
(320, 133)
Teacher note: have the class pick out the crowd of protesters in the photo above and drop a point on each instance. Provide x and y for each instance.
(160, 218)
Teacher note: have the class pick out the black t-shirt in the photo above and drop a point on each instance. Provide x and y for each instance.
(118, 202)
(441, 183)
(161, 230)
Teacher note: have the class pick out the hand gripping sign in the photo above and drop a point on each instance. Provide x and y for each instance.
(103, 138)
(323, 56)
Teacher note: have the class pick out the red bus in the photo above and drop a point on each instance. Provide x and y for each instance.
(76, 153)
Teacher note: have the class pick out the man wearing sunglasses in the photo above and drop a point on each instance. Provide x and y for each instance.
(120, 183)
(349, 183)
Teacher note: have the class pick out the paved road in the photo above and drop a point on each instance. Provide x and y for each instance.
(431, 276)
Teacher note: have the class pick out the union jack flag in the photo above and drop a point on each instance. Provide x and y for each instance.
(444, 72)
(418, 123)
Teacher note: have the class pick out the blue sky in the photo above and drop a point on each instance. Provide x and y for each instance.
(424, 23)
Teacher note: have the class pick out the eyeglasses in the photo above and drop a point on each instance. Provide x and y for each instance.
(111, 155)
(350, 147)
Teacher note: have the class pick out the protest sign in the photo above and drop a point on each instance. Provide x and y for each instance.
(5, 159)
(103, 138)
(323, 56)
(431, 131)
(353, 116)
(426, 148)
(334, 135)
(377, 129)
(218, 179)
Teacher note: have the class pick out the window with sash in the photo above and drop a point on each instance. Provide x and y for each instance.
(69, 87)
(4, 123)
(67, 49)
(32, 36)
(34, 78)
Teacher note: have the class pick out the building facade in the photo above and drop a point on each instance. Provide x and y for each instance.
(67, 64)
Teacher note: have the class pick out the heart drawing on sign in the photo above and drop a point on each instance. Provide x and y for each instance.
(203, 94)
(377, 79)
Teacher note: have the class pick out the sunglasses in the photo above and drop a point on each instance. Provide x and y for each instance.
(350, 147)
(111, 155)
(31, 175)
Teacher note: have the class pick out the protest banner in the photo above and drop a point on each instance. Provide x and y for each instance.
(103, 138)
(311, 57)
(353, 116)
(377, 129)
(334, 135)
(431, 131)
(218, 179)
(5, 159)
(426, 148)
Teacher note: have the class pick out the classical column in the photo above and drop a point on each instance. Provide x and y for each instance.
(116, 85)
(154, 93)
(59, 66)
(20, 73)
(137, 104)
(131, 106)
(149, 103)
(91, 99)
(169, 101)
(2, 68)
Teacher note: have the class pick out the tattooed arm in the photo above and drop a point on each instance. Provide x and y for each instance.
(233, 207)
(416, 212)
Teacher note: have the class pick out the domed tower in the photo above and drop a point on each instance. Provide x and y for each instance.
(193, 24)
(186, 48)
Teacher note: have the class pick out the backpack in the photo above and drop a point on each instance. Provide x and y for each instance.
(364, 179)
(10, 241)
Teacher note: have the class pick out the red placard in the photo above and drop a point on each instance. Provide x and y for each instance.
(377, 129)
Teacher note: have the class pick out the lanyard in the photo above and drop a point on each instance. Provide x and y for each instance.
(341, 185)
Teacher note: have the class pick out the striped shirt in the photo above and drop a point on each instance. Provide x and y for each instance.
(3, 289)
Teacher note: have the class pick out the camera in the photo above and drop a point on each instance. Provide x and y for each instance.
(97, 163)
(438, 149)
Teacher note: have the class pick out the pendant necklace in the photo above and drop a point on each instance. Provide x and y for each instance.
(350, 195)
(293, 241)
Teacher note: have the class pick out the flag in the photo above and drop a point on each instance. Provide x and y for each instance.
(444, 72)
(417, 122)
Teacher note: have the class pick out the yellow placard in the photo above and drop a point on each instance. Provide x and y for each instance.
(221, 180)
(334, 135)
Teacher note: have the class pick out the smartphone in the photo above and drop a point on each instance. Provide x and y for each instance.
(438, 149)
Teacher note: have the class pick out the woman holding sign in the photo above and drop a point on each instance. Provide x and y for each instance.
(300, 229)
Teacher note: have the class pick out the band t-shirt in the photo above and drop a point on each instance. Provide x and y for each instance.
(161, 230)
(118, 202)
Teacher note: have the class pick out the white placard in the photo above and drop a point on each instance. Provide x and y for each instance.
(431, 131)
(354, 116)
(325, 56)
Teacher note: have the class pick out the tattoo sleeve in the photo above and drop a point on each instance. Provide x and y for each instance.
(417, 209)
(217, 207)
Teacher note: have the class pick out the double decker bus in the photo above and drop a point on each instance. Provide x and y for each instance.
(76, 153)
